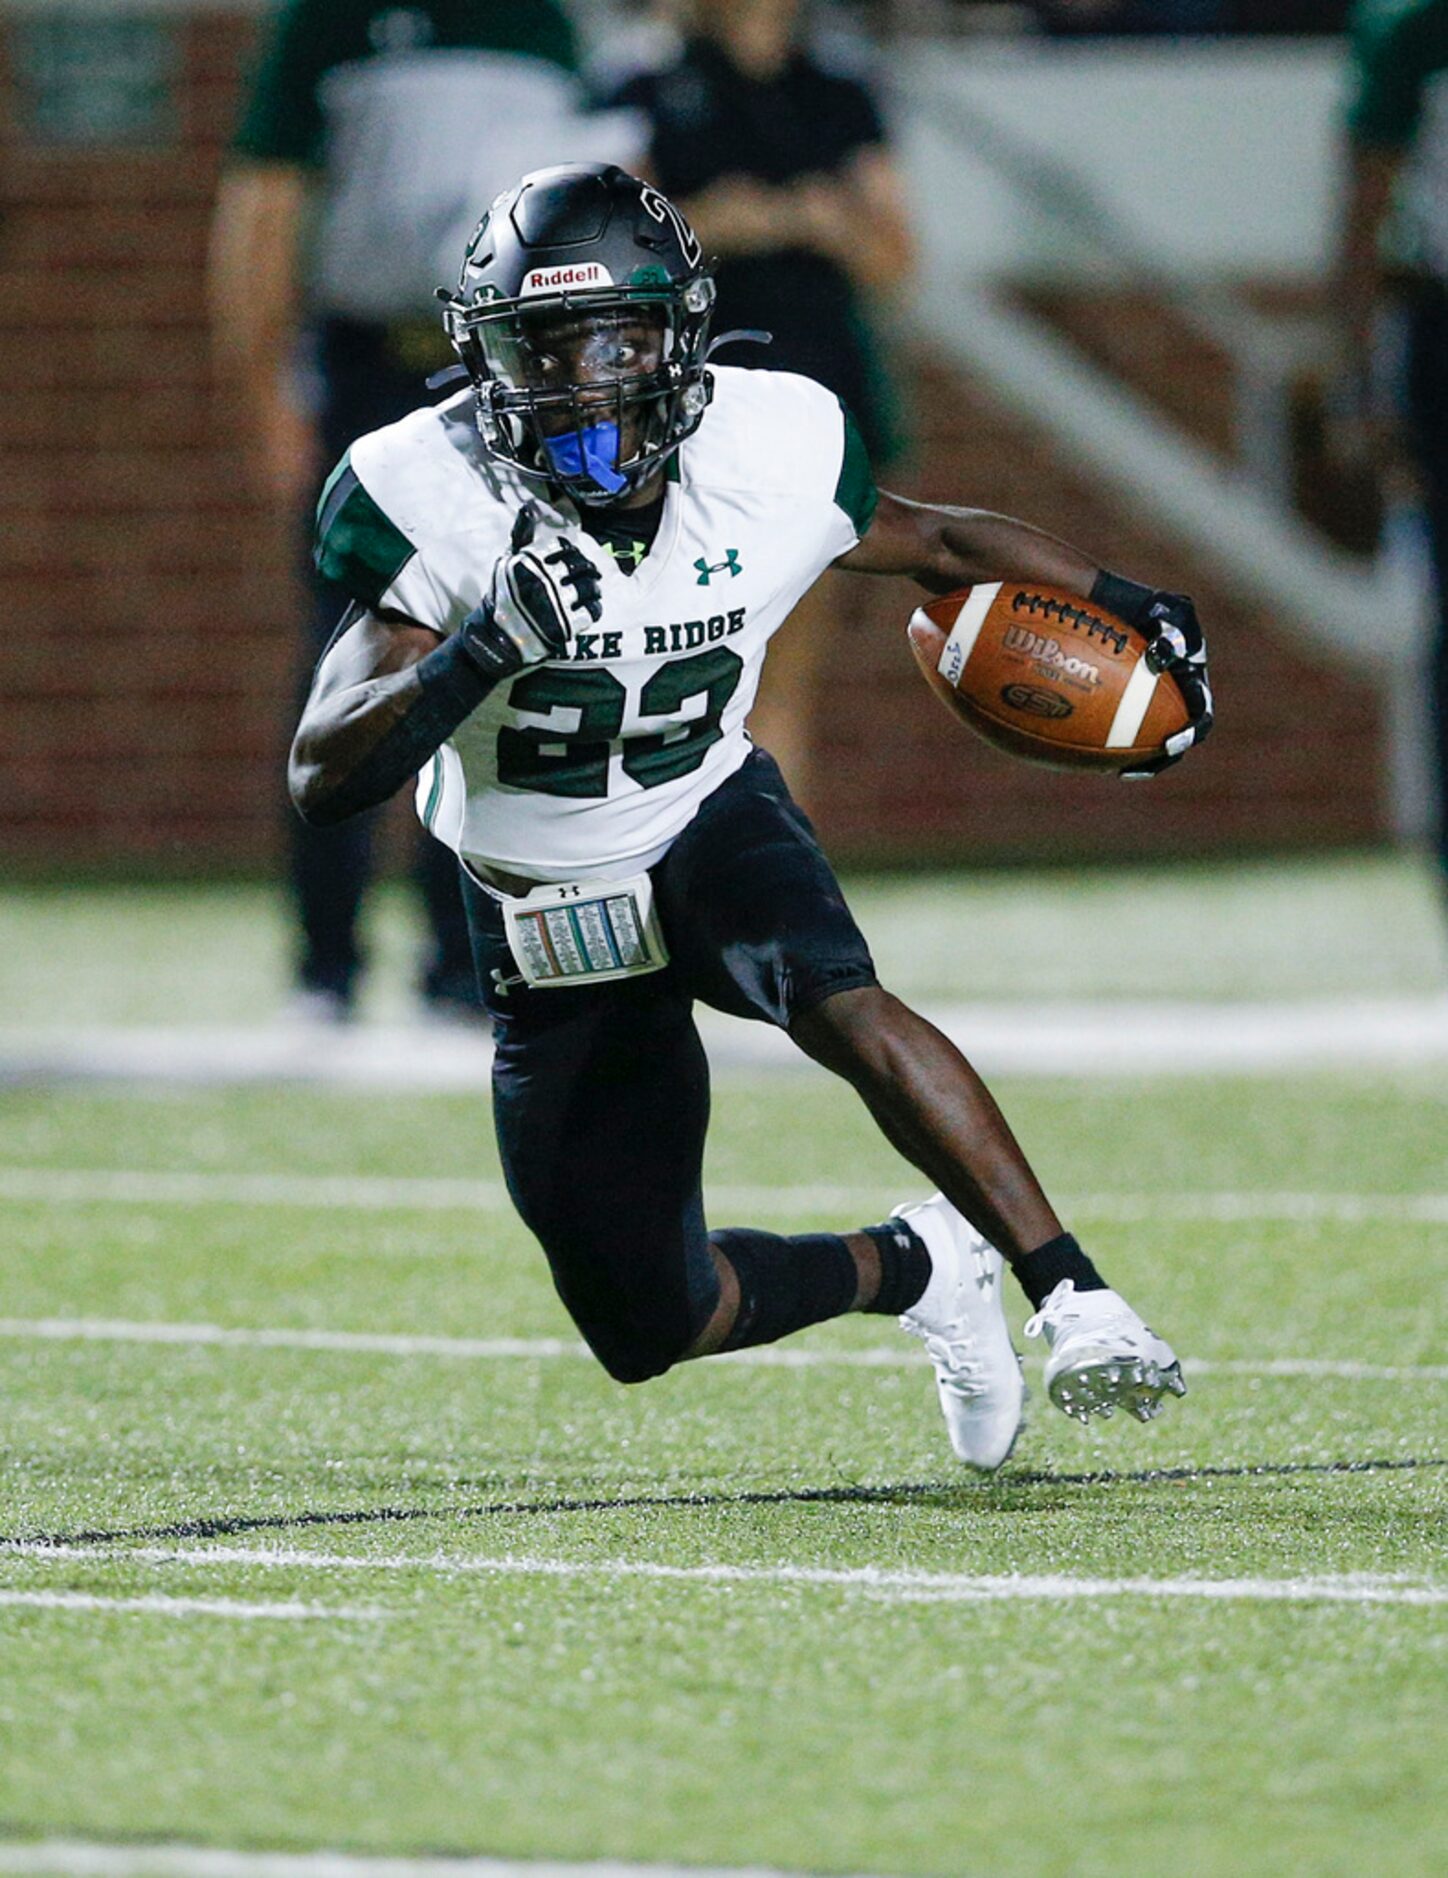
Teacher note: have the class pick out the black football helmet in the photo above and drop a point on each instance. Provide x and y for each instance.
(591, 253)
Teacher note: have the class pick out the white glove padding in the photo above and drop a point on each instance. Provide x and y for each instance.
(1176, 645)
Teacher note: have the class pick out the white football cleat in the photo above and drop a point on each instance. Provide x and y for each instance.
(960, 1317)
(1102, 1356)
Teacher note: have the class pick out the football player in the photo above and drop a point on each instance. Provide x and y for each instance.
(565, 578)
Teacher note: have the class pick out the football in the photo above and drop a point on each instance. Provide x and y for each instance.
(1047, 676)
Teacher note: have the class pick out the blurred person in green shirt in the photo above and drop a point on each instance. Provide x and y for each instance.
(370, 136)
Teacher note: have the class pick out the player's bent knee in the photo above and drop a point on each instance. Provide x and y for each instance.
(633, 1357)
(633, 1366)
(637, 1335)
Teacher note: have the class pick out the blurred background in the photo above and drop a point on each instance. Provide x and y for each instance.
(1093, 251)
(1164, 276)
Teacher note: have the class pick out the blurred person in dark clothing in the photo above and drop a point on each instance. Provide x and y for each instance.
(782, 166)
(1393, 272)
(1072, 19)
(1187, 19)
(369, 135)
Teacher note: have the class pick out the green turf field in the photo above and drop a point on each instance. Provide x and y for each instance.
(364, 1555)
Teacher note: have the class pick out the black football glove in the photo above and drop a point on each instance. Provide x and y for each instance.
(1174, 644)
(529, 613)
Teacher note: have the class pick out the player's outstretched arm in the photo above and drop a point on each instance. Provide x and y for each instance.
(943, 548)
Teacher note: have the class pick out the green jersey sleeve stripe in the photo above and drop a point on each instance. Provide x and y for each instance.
(855, 492)
(330, 501)
(357, 546)
(434, 794)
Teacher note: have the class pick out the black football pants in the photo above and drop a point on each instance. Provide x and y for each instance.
(601, 1094)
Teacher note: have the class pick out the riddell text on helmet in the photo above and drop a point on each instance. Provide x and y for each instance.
(576, 274)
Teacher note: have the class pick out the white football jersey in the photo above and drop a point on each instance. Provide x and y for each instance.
(592, 764)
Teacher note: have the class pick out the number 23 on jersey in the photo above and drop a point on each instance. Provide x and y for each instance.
(574, 762)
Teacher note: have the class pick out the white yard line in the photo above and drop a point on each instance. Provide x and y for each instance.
(79, 1859)
(360, 1342)
(365, 1193)
(546, 1349)
(894, 1585)
(161, 1606)
(433, 1194)
(1344, 1371)
(1095, 1037)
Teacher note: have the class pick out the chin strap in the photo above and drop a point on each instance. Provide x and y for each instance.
(750, 335)
(449, 375)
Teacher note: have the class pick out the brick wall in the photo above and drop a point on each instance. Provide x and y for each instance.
(146, 664)
(1296, 758)
(145, 675)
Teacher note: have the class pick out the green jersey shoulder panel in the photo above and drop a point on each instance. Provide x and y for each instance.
(785, 434)
(358, 546)
(855, 491)
(416, 514)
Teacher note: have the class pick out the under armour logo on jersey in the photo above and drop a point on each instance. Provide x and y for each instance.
(730, 565)
(627, 555)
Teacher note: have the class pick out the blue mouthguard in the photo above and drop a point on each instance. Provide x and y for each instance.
(592, 451)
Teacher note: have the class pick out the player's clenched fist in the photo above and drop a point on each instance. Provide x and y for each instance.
(535, 599)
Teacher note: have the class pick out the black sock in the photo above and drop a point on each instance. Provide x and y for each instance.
(904, 1267)
(1039, 1272)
